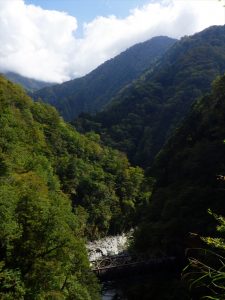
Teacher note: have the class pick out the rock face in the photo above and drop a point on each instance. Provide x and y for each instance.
(111, 245)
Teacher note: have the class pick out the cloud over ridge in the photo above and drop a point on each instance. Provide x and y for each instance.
(42, 44)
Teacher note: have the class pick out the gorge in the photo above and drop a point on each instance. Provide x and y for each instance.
(149, 160)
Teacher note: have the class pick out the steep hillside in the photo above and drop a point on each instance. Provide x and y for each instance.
(28, 83)
(45, 165)
(190, 174)
(142, 117)
(93, 91)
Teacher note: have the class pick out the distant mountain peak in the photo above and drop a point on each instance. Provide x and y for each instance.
(94, 91)
(28, 84)
(141, 118)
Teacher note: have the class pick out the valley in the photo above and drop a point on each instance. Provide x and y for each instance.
(122, 168)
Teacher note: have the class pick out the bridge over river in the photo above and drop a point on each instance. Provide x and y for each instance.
(110, 259)
(111, 267)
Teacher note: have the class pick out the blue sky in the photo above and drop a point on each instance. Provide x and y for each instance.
(49, 41)
(87, 10)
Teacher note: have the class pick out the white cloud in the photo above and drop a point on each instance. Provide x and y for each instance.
(35, 42)
(42, 44)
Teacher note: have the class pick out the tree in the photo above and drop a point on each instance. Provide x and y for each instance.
(206, 270)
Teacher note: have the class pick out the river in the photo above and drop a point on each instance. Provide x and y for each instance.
(157, 286)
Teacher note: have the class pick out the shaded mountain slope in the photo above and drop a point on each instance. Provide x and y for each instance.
(142, 116)
(190, 174)
(93, 91)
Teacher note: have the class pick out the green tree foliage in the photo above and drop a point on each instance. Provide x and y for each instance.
(95, 90)
(143, 115)
(206, 270)
(45, 165)
(93, 175)
(190, 178)
(42, 253)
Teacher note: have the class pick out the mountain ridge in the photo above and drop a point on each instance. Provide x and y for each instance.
(95, 90)
(142, 116)
(28, 84)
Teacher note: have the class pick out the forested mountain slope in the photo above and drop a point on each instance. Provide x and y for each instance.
(93, 91)
(190, 173)
(142, 116)
(28, 83)
(45, 165)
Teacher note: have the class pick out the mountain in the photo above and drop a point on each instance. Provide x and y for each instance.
(94, 91)
(190, 173)
(143, 115)
(28, 83)
(57, 188)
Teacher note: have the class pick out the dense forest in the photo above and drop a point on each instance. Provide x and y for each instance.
(94, 91)
(189, 173)
(142, 116)
(60, 188)
(57, 187)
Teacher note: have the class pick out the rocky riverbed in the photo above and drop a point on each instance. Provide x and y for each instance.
(110, 245)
